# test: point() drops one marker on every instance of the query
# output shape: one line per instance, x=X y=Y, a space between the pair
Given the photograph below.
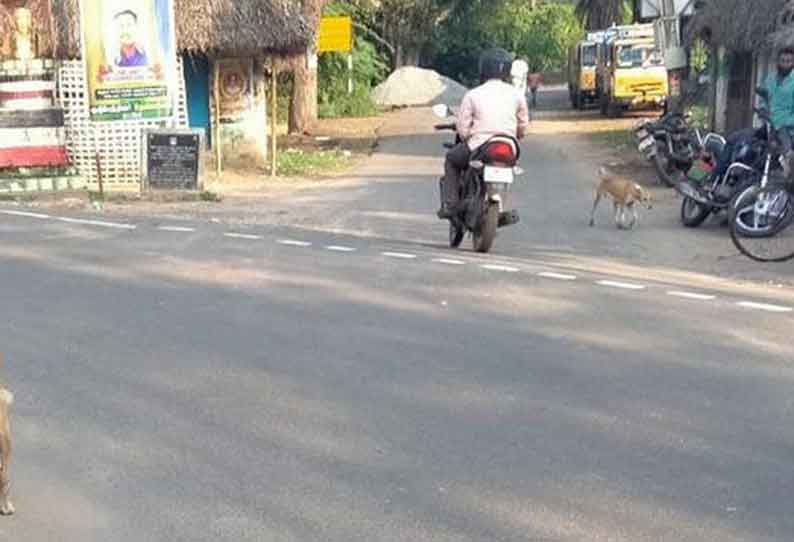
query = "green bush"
x=358 y=104
x=369 y=69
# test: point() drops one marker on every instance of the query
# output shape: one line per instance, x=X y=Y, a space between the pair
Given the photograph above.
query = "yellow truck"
x=631 y=73
x=582 y=61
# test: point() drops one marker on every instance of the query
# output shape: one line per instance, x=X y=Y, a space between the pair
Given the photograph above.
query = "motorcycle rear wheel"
x=483 y=239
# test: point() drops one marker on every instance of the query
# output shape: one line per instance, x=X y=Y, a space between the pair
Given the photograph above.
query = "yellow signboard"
x=336 y=35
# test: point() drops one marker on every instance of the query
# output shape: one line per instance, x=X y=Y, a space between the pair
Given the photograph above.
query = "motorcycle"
x=486 y=181
x=765 y=208
x=715 y=196
x=669 y=144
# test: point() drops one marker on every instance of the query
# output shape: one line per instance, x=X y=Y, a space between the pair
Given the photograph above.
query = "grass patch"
x=343 y=105
x=618 y=140
x=298 y=163
x=16 y=198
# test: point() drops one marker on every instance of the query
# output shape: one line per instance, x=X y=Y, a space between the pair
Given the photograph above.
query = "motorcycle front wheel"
x=483 y=239
x=760 y=222
x=693 y=214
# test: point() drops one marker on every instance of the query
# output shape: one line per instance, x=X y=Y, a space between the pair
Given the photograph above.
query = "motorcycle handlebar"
x=450 y=126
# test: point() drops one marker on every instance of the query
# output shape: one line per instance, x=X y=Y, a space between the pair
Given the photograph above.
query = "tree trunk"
x=303 y=108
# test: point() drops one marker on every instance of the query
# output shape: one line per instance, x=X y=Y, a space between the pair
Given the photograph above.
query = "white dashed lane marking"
x=558 y=276
x=399 y=255
x=692 y=295
x=242 y=236
x=176 y=229
x=99 y=223
x=293 y=243
x=764 y=307
x=621 y=285
x=407 y=256
x=503 y=268
x=25 y=214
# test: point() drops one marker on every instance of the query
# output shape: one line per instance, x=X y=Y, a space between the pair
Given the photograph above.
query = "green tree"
x=601 y=14
x=541 y=35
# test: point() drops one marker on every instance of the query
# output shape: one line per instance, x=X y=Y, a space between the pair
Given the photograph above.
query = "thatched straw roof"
x=739 y=25
x=784 y=29
x=230 y=27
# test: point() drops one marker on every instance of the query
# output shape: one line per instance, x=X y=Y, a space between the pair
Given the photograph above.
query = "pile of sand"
x=411 y=86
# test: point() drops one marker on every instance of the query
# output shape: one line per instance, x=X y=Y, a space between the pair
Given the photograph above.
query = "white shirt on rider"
x=491 y=109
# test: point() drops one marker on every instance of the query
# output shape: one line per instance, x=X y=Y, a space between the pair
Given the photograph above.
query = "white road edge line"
x=25 y=214
x=558 y=276
x=447 y=261
x=621 y=285
x=399 y=255
x=291 y=243
x=764 y=307
x=176 y=229
x=242 y=236
x=95 y=223
x=338 y=248
x=691 y=295
x=505 y=268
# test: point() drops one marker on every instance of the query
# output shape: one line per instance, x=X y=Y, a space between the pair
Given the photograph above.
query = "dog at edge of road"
x=6 y=398
x=625 y=195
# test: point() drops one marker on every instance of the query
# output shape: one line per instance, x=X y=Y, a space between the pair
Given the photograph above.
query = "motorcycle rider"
x=494 y=108
x=780 y=86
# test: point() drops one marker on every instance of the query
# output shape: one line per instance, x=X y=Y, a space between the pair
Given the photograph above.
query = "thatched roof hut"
x=784 y=29
x=739 y=25
x=235 y=27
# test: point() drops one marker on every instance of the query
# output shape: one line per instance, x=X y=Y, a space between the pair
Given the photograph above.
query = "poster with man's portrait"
x=235 y=80
x=130 y=58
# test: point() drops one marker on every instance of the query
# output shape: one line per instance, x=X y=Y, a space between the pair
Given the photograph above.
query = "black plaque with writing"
x=172 y=160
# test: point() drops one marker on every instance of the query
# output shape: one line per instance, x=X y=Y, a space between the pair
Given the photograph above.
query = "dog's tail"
x=6 y=396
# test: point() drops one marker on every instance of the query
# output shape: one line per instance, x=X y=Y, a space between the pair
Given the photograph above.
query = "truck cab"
x=582 y=63
x=631 y=72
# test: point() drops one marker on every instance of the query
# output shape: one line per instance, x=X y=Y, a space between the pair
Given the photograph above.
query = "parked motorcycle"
x=765 y=208
x=486 y=182
x=669 y=144
x=752 y=163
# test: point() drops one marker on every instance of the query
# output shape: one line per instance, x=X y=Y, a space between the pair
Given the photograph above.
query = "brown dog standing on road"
x=6 y=398
x=624 y=193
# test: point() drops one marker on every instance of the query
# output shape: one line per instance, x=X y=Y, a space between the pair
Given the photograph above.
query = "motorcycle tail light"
x=500 y=152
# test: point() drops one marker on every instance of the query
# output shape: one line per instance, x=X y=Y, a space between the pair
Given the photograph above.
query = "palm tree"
x=600 y=14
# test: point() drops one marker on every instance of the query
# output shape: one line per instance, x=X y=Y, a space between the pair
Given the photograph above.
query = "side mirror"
x=441 y=111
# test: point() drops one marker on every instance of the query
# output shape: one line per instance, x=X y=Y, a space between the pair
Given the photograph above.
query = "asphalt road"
x=349 y=378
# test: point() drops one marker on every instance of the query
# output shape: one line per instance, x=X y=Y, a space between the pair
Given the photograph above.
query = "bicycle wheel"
x=760 y=222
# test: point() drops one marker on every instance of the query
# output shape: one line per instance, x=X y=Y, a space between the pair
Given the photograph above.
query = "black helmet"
x=495 y=64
